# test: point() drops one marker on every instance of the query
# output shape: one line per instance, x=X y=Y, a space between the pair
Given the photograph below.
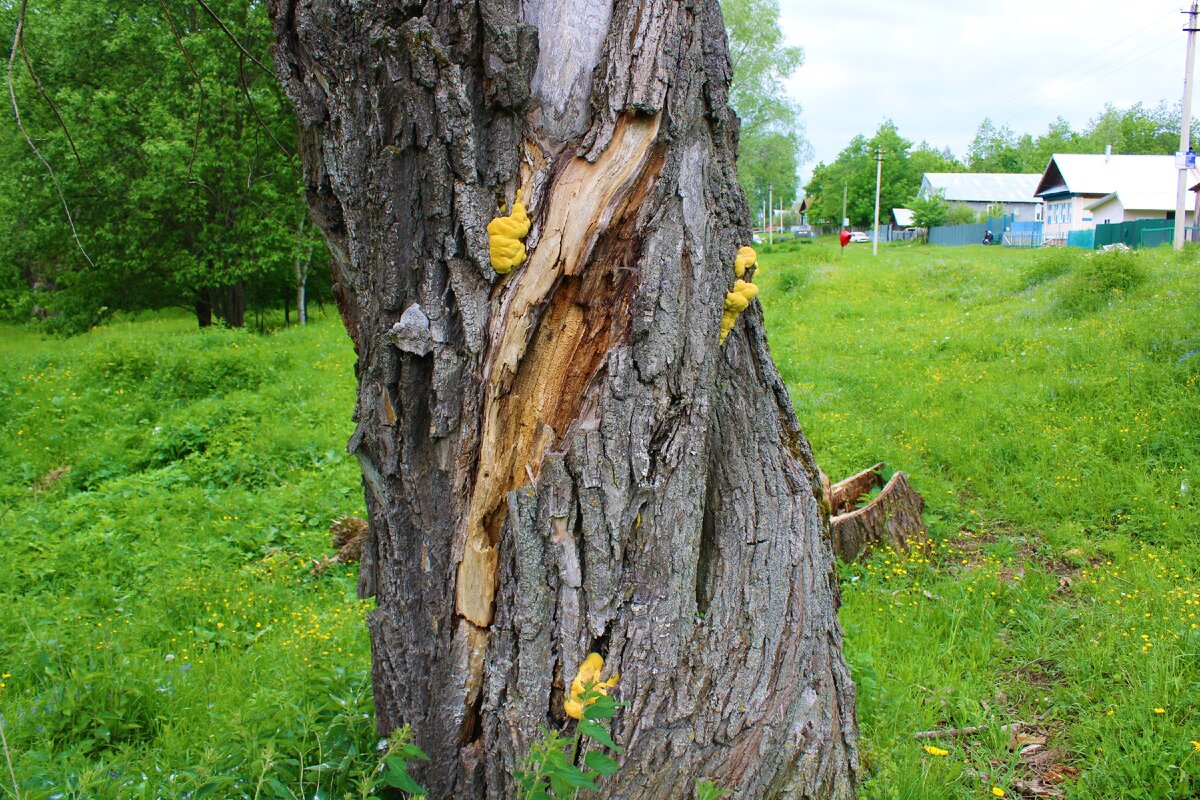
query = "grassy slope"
x=159 y=631
x=1056 y=454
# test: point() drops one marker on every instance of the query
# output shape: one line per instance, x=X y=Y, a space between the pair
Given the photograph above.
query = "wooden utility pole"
x=771 y=209
x=878 y=184
x=1185 y=129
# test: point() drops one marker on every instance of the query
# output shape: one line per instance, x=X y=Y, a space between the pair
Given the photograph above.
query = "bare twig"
x=947 y=733
x=12 y=774
x=254 y=108
x=221 y=24
x=12 y=93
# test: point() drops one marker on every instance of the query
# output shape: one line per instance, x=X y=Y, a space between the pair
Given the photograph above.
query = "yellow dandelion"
x=996 y=790
x=1196 y=746
x=1160 y=711
x=936 y=751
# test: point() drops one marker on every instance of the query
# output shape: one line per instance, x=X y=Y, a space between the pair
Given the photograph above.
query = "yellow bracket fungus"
x=743 y=292
x=506 y=249
x=745 y=259
x=586 y=683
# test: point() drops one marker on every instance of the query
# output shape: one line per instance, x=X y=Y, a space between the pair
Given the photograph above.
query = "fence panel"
x=1023 y=234
x=958 y=235
x=1082 y=239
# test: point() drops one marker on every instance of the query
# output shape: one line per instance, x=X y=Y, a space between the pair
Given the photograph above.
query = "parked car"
x=859 y=237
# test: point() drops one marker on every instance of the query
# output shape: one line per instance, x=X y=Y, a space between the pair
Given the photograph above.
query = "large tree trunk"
x=563 y=460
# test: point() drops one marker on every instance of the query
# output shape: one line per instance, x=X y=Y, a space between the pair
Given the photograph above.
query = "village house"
x=1084 y=190
x=981 y=191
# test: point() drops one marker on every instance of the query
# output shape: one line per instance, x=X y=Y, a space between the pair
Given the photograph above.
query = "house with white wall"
x=982 y=190
x=1082 y=190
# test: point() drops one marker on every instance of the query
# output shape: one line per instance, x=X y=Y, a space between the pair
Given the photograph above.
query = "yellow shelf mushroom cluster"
x=588 y=678
x=505 y=247
x=737 y=300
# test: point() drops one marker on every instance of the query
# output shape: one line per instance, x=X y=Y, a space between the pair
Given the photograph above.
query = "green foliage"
x=1051 y=263
x=399 y=753
x=961 y=215
x=707 y=790
x=1100 y=278
x=1058 y=460
x=855 y=168
x=184 y=186
x=1130 y=131
x=929 y=212
x=552 y=767
x=772 y=143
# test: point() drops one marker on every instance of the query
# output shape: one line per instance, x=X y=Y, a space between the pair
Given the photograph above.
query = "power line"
x=1020 y=99
x=1046 y=101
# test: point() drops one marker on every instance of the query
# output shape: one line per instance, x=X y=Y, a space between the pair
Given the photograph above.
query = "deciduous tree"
x=563 y=459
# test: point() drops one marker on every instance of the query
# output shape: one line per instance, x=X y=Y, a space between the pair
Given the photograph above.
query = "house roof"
x=1142 y=182
x=903 y=217
x=984 y=187
x=1138 y=201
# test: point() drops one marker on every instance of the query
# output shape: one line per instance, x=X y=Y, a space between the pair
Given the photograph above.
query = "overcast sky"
x=937 y=68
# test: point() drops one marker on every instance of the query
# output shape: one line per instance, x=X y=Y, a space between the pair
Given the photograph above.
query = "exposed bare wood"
x=845 y=494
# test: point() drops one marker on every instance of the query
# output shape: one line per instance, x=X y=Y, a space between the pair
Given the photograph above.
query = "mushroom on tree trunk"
x=565 y=459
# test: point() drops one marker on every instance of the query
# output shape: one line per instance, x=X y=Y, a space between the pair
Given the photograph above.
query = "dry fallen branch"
x=947 y=733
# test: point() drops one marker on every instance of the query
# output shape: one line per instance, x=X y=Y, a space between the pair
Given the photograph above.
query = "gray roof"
x=984 y=187
x=903 y=217
x=1143 y=182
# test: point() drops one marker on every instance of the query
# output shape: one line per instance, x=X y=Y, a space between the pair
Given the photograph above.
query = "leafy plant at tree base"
x=553 y=768
x=707 y=790
x=400 y=751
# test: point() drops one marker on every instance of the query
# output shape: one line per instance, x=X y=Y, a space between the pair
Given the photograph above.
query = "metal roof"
x=1142 y=182
x=903 y=217
x=984 y=187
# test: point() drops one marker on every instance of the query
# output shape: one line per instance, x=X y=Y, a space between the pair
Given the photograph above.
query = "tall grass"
x=1046 y=406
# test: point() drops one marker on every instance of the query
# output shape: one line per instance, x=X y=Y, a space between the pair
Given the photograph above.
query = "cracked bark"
x=563 y=460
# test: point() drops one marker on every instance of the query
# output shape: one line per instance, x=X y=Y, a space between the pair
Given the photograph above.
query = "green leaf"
x=598 y=734
x=396 y=774
x=598 y=762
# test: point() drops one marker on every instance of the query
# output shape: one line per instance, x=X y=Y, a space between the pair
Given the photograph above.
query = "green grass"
x=160 y=633
x=162 y=636
x=1057 y=444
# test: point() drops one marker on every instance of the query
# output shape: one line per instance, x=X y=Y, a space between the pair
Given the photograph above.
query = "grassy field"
x=163 y=492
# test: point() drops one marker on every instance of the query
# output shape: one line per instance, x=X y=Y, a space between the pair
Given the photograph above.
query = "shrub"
x=1099 y=279
x=1050 y=264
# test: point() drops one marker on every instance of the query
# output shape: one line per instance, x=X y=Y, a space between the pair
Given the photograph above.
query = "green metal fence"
x=1139 y=233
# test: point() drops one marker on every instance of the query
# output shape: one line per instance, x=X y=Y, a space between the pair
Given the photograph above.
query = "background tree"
x=178 y=172
x=772 y=142
x=854 y=167
x=563 y=459
x=929 y=211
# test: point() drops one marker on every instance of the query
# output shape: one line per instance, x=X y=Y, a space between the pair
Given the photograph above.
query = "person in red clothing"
x=845 y=238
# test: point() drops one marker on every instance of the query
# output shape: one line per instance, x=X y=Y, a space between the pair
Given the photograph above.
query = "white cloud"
x=937 y=69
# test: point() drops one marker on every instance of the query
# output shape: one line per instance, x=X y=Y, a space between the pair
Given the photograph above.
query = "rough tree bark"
x=563 y=460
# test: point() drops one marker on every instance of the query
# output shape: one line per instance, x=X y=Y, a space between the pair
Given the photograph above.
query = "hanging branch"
x=254 y=108
x=61 y=122
x=221 y=24
x=199 y=83
x=12 y=94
